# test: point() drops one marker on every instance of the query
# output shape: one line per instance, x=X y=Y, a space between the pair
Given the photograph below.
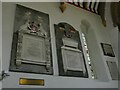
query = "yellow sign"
x=26 y=81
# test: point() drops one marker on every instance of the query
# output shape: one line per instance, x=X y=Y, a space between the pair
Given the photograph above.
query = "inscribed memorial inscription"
x=31 y=47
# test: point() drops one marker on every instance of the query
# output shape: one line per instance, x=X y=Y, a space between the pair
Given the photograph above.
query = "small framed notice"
x=113 y=69
x=107 y=50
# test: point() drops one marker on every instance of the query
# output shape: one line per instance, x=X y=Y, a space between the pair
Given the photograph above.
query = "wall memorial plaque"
x=107 y=50
x=113 y=69
x=70 y=55
x=31 y=47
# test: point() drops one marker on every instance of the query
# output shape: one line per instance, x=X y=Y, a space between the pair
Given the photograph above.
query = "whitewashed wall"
x=113 y=34
x=0 y=41
x=73 y=16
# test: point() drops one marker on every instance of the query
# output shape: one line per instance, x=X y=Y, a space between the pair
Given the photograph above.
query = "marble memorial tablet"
x=70 y=55
x=33 y=49
x=72 y=59
x=113 y=70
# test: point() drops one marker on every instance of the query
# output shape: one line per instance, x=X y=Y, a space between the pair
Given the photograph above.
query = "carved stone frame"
x=35 y=24
x=19 y=59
